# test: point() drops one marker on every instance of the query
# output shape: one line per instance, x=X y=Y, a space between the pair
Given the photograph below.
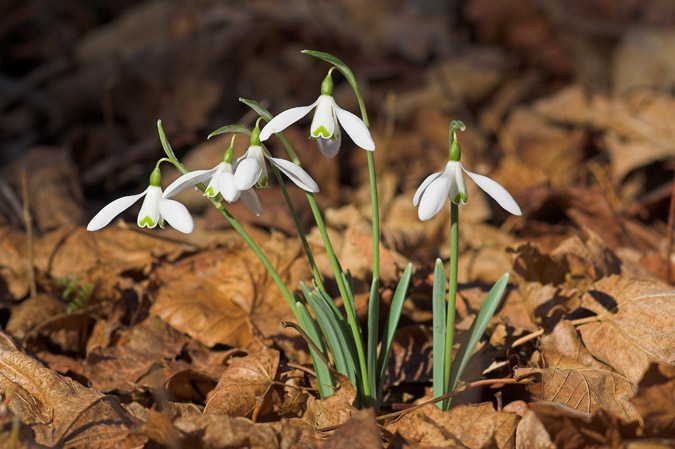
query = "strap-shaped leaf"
x=323 y=376
x=392 y=323
x=341 y=66
x=239 y=129
x=439 y=309
x=487 y=310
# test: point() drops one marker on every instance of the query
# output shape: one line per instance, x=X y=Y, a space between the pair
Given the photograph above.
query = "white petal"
x=251 y=201
x=496 y=191
x=329 y=147
x=105 y=215
x=149 y=214
x=423 y=186
x=188 y=180
x=299 y=176
x=284 y=120
x=176 y=215
x=324 y=123
x=213 y=189
x=458 y=188
x=355 y=128
x=227 y=189
x=247 y=174
x=435 y=195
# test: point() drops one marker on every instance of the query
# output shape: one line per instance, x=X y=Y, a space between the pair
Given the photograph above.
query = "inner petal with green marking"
x=147 y=221
x=321 y=131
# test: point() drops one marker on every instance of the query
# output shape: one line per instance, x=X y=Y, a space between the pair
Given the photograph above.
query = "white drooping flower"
x=325 y=126
x=154 y=210
x=449 y=183
x=250 y=169
x=220 y=181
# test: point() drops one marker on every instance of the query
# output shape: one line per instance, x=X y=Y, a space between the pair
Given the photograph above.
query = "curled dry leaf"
x=585 y=389
x=61 y=411
x=472 y=426
x=635 y=326
x=246 y=386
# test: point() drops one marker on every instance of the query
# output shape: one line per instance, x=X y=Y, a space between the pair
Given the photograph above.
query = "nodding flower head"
x=326 y=123
x=154 y=210
x=449 y=183
x=251 y=171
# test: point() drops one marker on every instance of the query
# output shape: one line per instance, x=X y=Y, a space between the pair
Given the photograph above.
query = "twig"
x=311 y=344
x=535 y=334
x=29 y=235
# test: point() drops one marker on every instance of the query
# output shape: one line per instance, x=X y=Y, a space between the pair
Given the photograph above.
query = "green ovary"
x=147 y=221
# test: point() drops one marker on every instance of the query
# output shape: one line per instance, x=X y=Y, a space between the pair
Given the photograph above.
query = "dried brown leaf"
x=143 y=357
x=33 y=312
x=655 y=401
x=60 y=410
x=635 y=326
x=333 y=410
x=246 y=386
x=531 y=433
x=227 y=432
x=471 y=426
x=360 y=432
x=574 y=429
x=585 y=389
x=226 y=295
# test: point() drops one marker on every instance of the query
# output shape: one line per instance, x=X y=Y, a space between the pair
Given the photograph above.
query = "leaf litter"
x=166 y=340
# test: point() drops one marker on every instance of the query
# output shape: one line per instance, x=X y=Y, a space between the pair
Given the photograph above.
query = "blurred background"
x=569 y=104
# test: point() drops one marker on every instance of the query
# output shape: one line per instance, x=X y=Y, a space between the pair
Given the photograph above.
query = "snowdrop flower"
x=251 y=171
x=326 y=123
x=449 y=183
x=154 y=211
x=220 y=181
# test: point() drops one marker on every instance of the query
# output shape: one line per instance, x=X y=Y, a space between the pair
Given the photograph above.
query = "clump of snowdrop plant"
x=430 y=198
x=336 y=340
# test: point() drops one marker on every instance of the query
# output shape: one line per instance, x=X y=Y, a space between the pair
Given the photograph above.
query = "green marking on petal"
x=460 y=198
x=263 y=182
x=209 y=192
x=147 y=221
x=321 y=131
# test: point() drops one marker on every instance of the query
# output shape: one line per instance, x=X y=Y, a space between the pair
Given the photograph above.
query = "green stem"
x=235 y=224
x=298 y=226
x=452 y=295
x=337 y=271
x=258 y=252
